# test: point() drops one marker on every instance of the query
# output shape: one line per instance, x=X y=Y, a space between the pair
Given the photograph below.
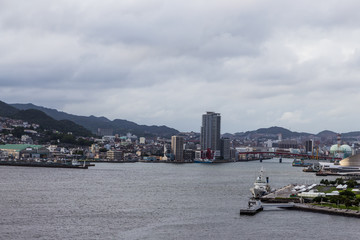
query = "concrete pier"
x=279 y=195
x=254 y=206
x=282 y=195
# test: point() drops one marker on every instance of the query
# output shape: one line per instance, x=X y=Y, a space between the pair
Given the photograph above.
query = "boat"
x=309 y=169
x=322 y=173
x=306 y=162
x=203 y=160
x=312 y=168
x=254 y=206
x=298 y=163
x=261 y=186
x=75 y=163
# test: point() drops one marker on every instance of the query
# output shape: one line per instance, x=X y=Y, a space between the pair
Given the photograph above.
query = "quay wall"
x=326 y=210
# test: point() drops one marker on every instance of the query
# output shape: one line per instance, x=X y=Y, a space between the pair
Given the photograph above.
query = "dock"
x=254 y=206
x=280 y=195
x=259 y=206
x=250 y=211
x=281 y=198
x=278 y=205
x=42 y=164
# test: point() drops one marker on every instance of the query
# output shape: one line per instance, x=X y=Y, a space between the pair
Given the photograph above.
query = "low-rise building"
x=115 y=155
x=18 y=151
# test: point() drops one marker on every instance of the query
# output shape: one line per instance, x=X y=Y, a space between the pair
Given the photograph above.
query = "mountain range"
x=62 y=121
x=287 y=134
x=93 y=123
x=45 y=121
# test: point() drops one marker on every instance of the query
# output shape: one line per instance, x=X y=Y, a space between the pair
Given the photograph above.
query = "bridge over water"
x=261 y=155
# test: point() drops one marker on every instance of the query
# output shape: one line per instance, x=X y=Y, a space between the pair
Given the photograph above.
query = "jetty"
x=283 y=198
x=254 y=206
x=43 y=164
x=259 y=206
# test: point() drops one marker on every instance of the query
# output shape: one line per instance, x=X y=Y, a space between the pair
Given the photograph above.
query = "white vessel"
x=261 y=185
x=205 y=160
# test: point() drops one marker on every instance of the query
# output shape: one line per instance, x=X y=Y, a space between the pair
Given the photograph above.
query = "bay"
x=156 y=201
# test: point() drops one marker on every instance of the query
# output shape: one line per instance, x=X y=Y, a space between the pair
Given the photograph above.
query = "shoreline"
x=325 y=210
x=42 y=164
x=282 y=196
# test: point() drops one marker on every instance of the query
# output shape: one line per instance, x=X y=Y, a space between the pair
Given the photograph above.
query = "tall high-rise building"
x=309 y=146
x=225 y=148
x=210 y=131
x=177 y=147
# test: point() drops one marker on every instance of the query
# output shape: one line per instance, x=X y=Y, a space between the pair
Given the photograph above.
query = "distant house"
x=114 y=155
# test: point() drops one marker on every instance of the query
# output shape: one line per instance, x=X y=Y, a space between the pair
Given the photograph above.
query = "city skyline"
x=54 y=113
x=258 y=63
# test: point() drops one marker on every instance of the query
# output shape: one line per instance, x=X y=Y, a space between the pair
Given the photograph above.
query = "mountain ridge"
x=93 y=123
x=286 y=133
x=122 y=126
x=45 y=121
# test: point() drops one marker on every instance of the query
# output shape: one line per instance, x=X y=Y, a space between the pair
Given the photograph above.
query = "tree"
x=336 y=199
x=102 y=150
x=320 y=199
x=326 y=182
x=348 y=194
x=68 y=138
x=84 y=142
x=18 y=132
x=78 y=152
x=339 y=181
x=351 y=183
x=348 y=203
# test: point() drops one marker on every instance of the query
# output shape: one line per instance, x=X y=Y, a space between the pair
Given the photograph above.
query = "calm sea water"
x=155 y=201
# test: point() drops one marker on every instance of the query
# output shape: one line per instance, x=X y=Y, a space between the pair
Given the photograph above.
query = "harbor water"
x=156 y=201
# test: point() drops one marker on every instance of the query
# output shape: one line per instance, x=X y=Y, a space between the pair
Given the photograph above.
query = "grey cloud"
x=270 y=57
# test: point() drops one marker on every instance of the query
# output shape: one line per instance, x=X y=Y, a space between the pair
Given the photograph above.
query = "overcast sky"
x=294 y=64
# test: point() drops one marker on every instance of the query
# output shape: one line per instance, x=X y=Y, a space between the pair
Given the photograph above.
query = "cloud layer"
x=258 y=63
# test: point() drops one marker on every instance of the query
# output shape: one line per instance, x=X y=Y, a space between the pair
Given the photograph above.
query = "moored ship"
x=261 y=185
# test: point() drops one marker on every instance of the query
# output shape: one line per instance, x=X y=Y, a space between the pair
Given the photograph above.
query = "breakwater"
x=42 y=164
